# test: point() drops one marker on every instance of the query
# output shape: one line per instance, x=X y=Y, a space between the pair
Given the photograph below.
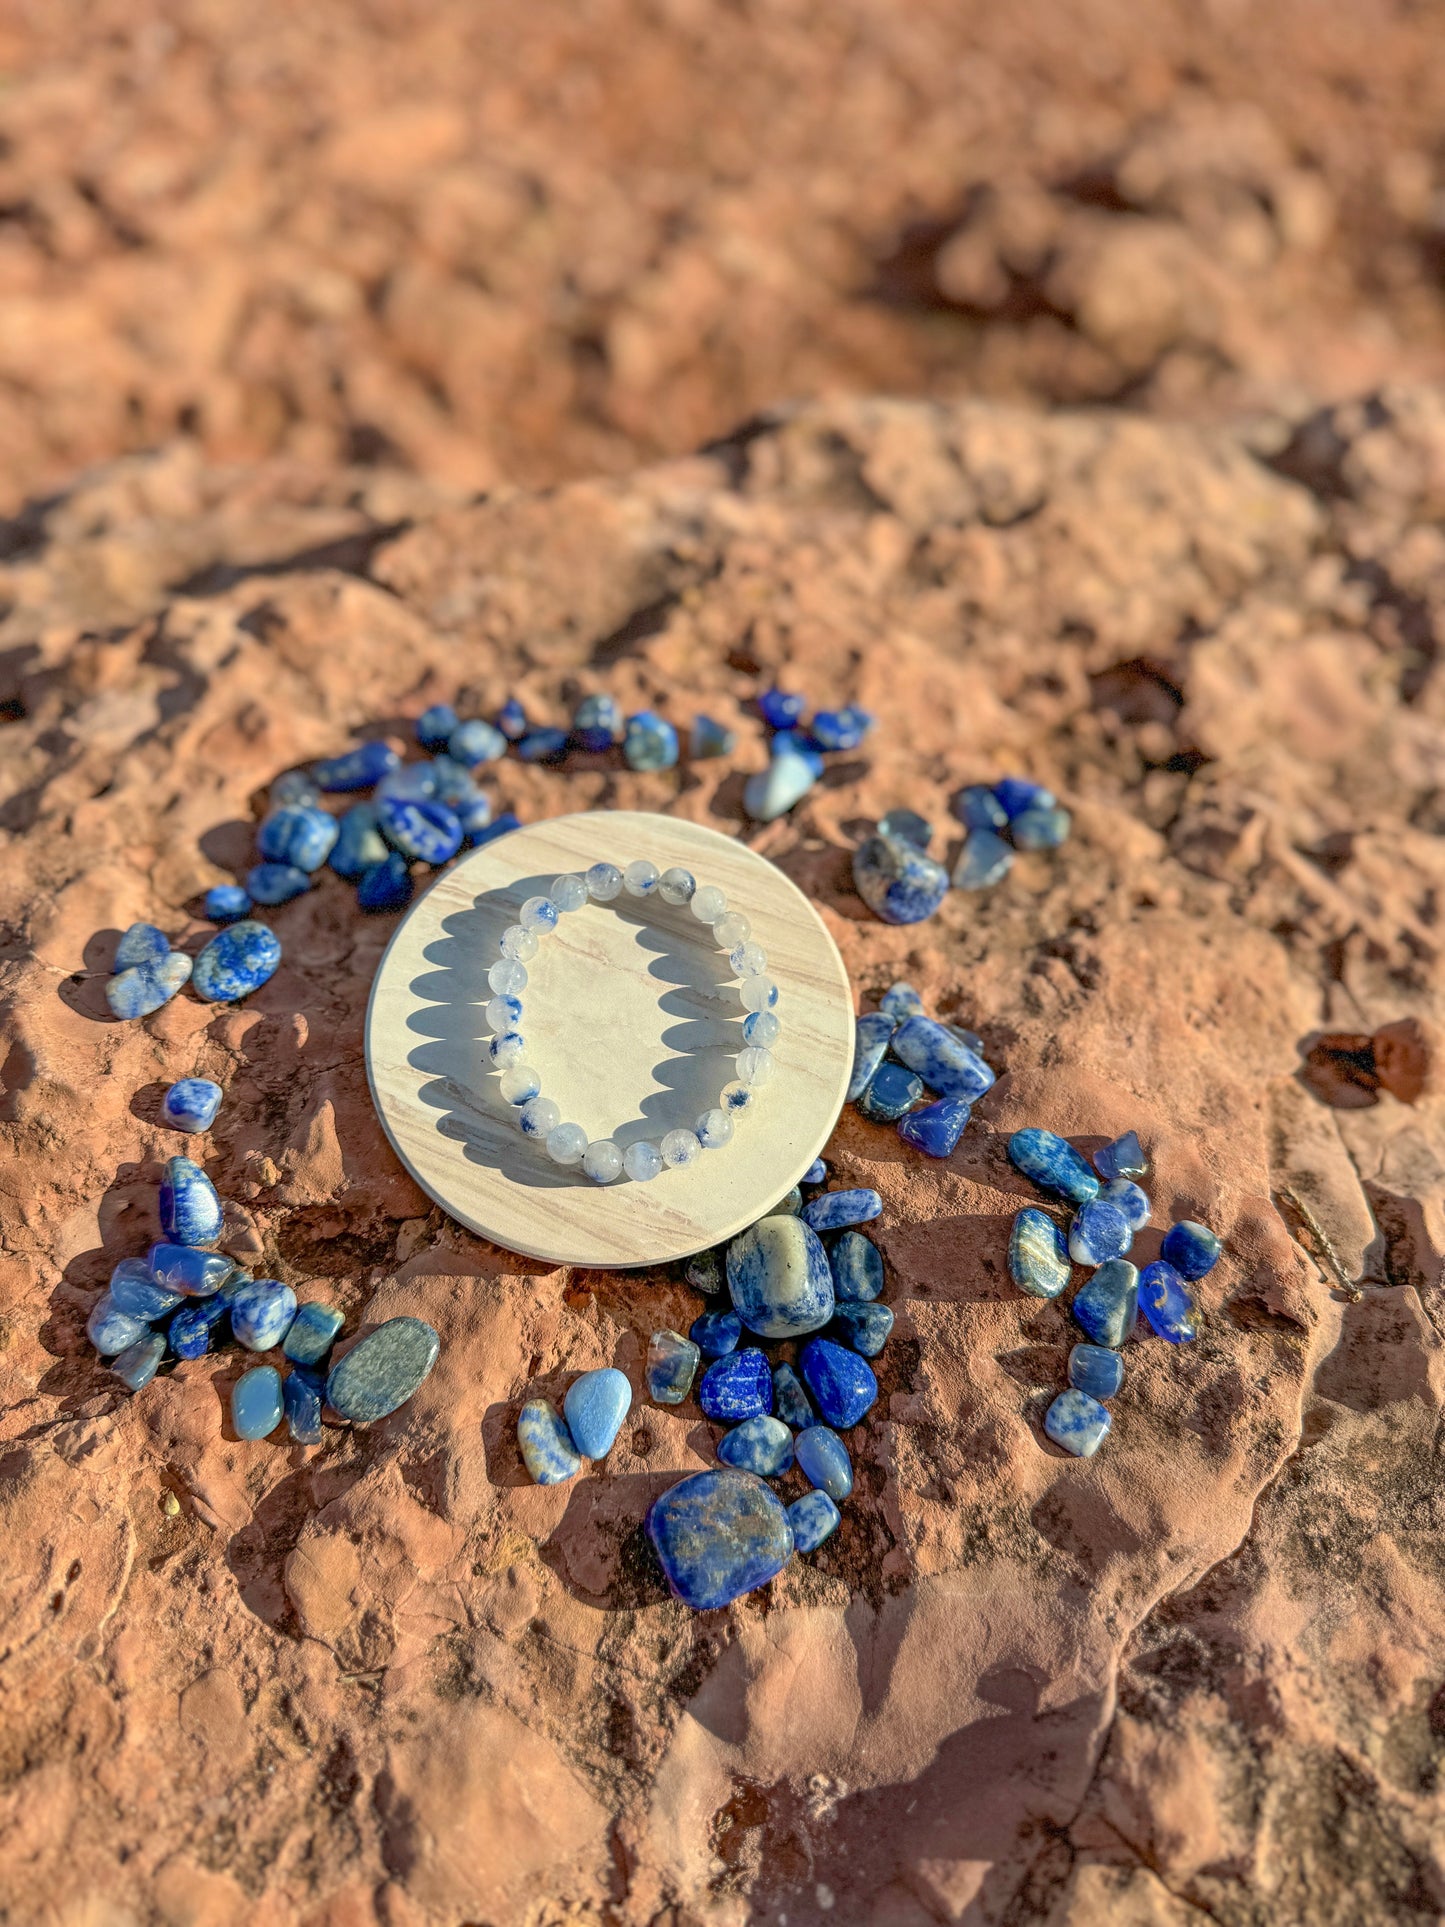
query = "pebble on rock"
x=779 y=1278
x=1107 y=1305
x=813 y=1518
x=899 y=883
x=1124 y=1158
x=256 y=1402
x=594 y=1408
x=1040 y=828
x=944 y=1064
x=543 y=745
x=312 y=1333
x=237 y=961
x=597 y=724
x=302 y=1398
x=261 y=1313
x=781 y=709
x=1100 y=1231
x=790 y=1401
x=816 y=1173
x=1192 y=1249
x=546 y=1445
x=842 y=1385
x=889 y=1094
x=710 y=738
x=824 y=1462
x=191 y=1104
x=718 y=1535
x=273 y=884
x=382 y=1370
x=977 y=808
x=737 y=1387
x=716 y=1333
x=137 y=1364
x=672 y=1362
x=835 y=1210
x=1053 y=1164
x=869 y=1049
x=1078 y=1423
x=857 y=1269
x=1095 y=1370
x=936 y=1128
x=763 y=1445
x=1038 y=1257
x=1165 y=1301
x=866 y=1328
x=1015 y=794
x=190 y=1210
x=835 y=729
x=143 y=988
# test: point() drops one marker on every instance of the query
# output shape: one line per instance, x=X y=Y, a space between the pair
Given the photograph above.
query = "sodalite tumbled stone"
x=386 y=885
x=984 y=860
x=824 y=1462
x=191 y=1104
x=813 y=1518
x=763 y=1445
x=272 y=884
x=1078 y=1423
x=435 y=725
x=779 y=1278
x=261 y=1313
x=1038 y=1258
x=834 y=1210
x=256 y=1402
x=649 y=742
x=866 y=1328
x=944 y=1064
x=718 y=1535
x=874 y=1031
x=1165 y=1301
x=816 y=1173
x=1191 y=1248
x=478 y=741
x=312 y=1333
x=900 y=1002
x=137 y=1364
x=890 y=1092
x=225 y=902
x=936 y=1128
x=899 y=883
x=1129 y=1198
x=187 y=1269
x=1095 y=1370
x=546 y=1445
x=1124 y=1158
x=716 y=1333
x=382 y=1370
x=421 y=828
x=770 y=793
x=359 y=843
x=672 y=1362
x=297 y=835
x=1107 y=1305
x=358 y=769
x=502 y=825
x=190 y=1210
x=594 y=1408
x=302 y=1397
x=790 y=1401
x=1100 y=1231
x=143 y=988
x=110 y=1329
x=141 y=944
x=737 y=1387
x=842 y=1385
x=190 y=1331
x=1053 y=1164
x=237 y=961
x=136 y=1292
x=857 y=1269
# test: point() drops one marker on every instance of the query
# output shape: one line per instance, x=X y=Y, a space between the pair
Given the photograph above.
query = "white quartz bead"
x=732 y=930
x=748 y=960
x=569 y=892
x=762 y=1027
x=539 y=1117
x=754 y=1065
x=736 y=1097
x=640 y=878
x=507 y=1048
x=602 y=1161
x=676 y=886
x=604 y=882
x=539 y=914
x=758 y=993
x=507 y=977
x=642 y=1161
x=519 y=943
x=680 y=1147
x=709 y=903
x=521 y=1084
x=714 y=1128
x=566 y=1143
x=504 y=1013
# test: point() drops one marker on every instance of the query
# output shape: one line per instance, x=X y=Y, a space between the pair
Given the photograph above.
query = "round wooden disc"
x=632 y=1021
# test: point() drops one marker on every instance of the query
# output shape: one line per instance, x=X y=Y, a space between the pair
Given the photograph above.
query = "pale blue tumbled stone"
x=984 y=860
x=137 y=1293
x=382 y=1370
x=717 y=1535
x=857 y=1269
x=1107 y=1305
x=1053 y=1164
x=908 y=824
x=546 y=1445
x=824 y=1462
x=595 y=1406
x=737 y=1387
x=298 y=835
x=936 y=1128
x=137 y=1364
x=779 y=1278
x=191 y=1104
x=302 y=1398
x=716 y=1333
x=386 y=885
x=790 y=1401
x=359 y=843
x=225 y=902
x=1038 y=1257
x=477 y=742
x=422 y=828
x=256 y=1402
x=1040 y=829
x=944 y=1064
x=763 y=1445
x=189 y=1270
x=1192 y=1249
x=142 y=988
x=892 y=1091
x=864 y=1328
x=142 y=943
x=261 y=1313
x=770 y=793
x=273 y=884
x=1095 y=1370
x=899 y=883
x=237 y=961
x=110 y=1329
x=190 y=1210
x=869 y=1049
x=813 y=1518
x=1100 y=1231
x=672 y=1362
x=312 y=1333
x=1124 y=1158
x=1078 y=1423
x=835 y=1210
x=649 y=742
x=1126 y=1196
x=842 y=1384
x=1165 y=1301
x=359 y=769
x=977 y=808
x=435 y=725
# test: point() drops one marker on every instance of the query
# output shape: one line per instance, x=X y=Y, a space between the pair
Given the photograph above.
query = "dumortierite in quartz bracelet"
x=602 y=1159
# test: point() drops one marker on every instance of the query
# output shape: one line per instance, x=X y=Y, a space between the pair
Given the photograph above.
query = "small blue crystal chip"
x=977 y=808
x=435 y=725
x=594 y=1408
x=944 y=1064
x=835 y=1210
x=1095 y=1370
x=191 y=1104
x=512 y=719
x=597 y=724
x=256 y=1402
x=813 y=1518
x=824 y=1462
x=1107 y=1304
x=816 y=1173
x=1100 y=1231
x=763 y=1445
x=546 y=1445
x=779 y=1278
x=1040 y=828
x=1038 y=1258
x=790 y=1401
x=737 y=1387
x=672 y=1362
x=889 y=1094
x=716 y=1333
x=1015 y=794
x=1165 y=1301
x=1078 y=1423
x=382 y=1370
x=717 y=1535
x=936 y=1128
x=358 y=769
x=900 y=884
x=866 y=1328
x=312 y=1333
x=190 y=1210
x=873 y=1033
x=842 y=728
x=237 y=961
x=709 y=738
x=1191 y=1248
x=857 y=1269
x=261 y=1313
x=780 y=709
x=650 y=742
x=842 y=1384
x=1053 y=1164
x=543 y=745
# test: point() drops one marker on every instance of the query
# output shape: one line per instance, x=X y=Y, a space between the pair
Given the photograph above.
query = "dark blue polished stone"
x=478 y=742
x=256 y=1402
x=312 y=1333
x=136 y=1365
x=1107 y=1305
x=835 y=1210
x=977 y=808
x=386 y=885
x=763 y=1445
x=1191 y=1248
x=190 y=1210
x=1040 y=829
x=112 y=1330
x=869 y=1049
x=944 y=1064
x=435 y=725
x=824 y=1462
x=237 y=961
x=382 y=1370
x=297 y=834
x=857 y=1269
x=423 y=829
x=1124 y=1158
x=191 y=1329
x=295 y=786
x=898 y=883
x=1016 y=794
x=984 y=860
x=936 y=1128
x=358 y=769
x=790 y=1401
x=1165 y=1301
x=188 y=1270
x=718 y=1535
x=779 y=1278
x=866 y=1328
x=474 y=813
x=302 y=1397
x=737 y=1387
x=1078 y=1423
x=225 y=902
x=191 y=1104
x=1053 y=1164
x=138 y=1294
x=813 y=1518
x=1095 y=1370
x=594 y=1408
x=543 y=745
x=716 y=1333
x=890 y=1092
x=359 y=843
x=1100 y=1231
x=842 y=1385
x=780 y=709
x=650 y=742
x=142 y=943
x=1038 y=1257
x=275 y=883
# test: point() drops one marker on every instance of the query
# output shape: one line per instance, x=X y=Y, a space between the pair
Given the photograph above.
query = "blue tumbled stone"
x=143 y=943
x=137 y=1293
x=1126 y=1196
x=454 y=782
x=1038 y=1258
x=869 y=1050
x=717 y=1535
x=1078 y=1423
x=737 y=1387
x=359 y=843
x=191 y=1104
x=649 y=742
x=890 y=1092
x=359 y=769
x=546 y=1445
x=256 y=1402
x=225 y=902
x=866 y=1329
x=474 y=813
x=1165 y=1301
x=597 y=724
x=816 y=1172
x=797 y=742
x=716 y=1333
x=112 y=1330
x=300 y=836
x=813 y=1518
x=411 y=783
x=276 y=883
x=302 y=1399
x=1191 y=1248
x=770 y=793
x=421 y=828
x=672 y=1362
x=502 y=825
x=137 y=1364
x=1095 y=1370
x=435 y=725
x=835 y=1210
x=977 y=808
x=312 y=1333
x=763 y=1445
x=857 y=1269
x=543 y=745
x=900 y=1002
x=790 y=1401
x=477 y=742
x=908 y=824
x=594 y=1408
x=189 y=1332
x=841 y=728
x=1107 y=1304
x=944 y=1064
x=984 y=860
x=779 y=709
x=824 y=1462
x=261 y=1313
x=382 y=1370
x=842 y=1385
x=187 y=1269
x=1124 y=1158
x=936 y=1128
x=779 y=1278
x=190 y=1210
x=789 y=1205
x=142 y=988
x=512 y=719
x=1016 y=794
x=386 y=885
x=295 y=786
x=709 y=738
x=237 y=961
x=898 y=883
x=1040 y=829
x=1053 y=1164
x=1100 y=1231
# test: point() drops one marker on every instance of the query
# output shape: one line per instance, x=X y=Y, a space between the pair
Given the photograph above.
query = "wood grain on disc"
x=632 y=1021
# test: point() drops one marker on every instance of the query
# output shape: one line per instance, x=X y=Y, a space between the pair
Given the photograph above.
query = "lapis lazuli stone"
x=900 y=1002
x=944 y=1064
x=261 y=1313
x=1124 y=1158
x=191 y=1104
x=780 y=709
x=297 y=835
x=790 y=1401
x=435 y=725
x=137 y=1364
x=717 y=1535
x=857 y=1269
x=142 y=988
x=358 y=769
x=142 y=943
x=889 y=1093
x=841 y=728
x=1100 y=1231
x=455 y=784
x=276 y=883
x=382 y=1370
x=763 y=1445
x=543 y=745
x=597 y=724
x=1191 y=1248
x=842 y=1385
x=189 y=1270
x=977 y=808
x=501 y=825
x=359 y=843
x=1095 y=1370
x=1038 y=1257
x=737 y=1387
x=770 y=793
x=423 y=829
x=779 y=1278
x=1078 y=1423
x=865 y=1328
x=716 y=1333
x=824 y=1462
x=898 y=883
x=936 y=1128
x=816 y=1173
x=1126 y=1196
x=546 y=1445
x=594 y=1408
x=672 y=1362
x=1040 y=829
x=1053 y=1164
x=984 y=860
x=477 y=742
x=386 y=885
x=256 y=1402
x=512 y=719
x=189 y=1207
x=836 y=1210
x=912 y=827
x=1016 y=794
x=1165 y=1301
x=869 y=1049
x=650 y=742
x=302 y=1398
x=813 y=1518
x=311 y=1333
x=1107 y=1304
x=110 y=1329
x=189 y=1332
x=710 y=738
x=138 y=1294
x=225 y=902
x=237 y=961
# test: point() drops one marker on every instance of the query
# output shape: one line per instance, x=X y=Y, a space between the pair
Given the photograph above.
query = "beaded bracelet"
x=539 y=1117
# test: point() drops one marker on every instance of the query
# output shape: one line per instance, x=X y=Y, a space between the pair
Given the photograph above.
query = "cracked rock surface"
x=387 y=1679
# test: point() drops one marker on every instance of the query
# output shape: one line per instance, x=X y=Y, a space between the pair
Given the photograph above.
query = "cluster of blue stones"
x=796 y=750
x=148 y=972
x=1110 y=1206
x=902 y=1057
x=901 y=883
